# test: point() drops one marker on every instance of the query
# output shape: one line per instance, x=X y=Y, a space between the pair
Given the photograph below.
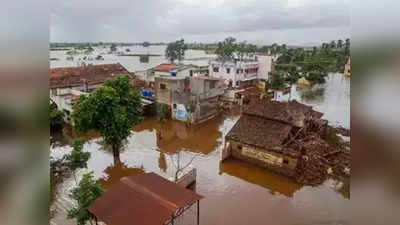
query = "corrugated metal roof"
x=147 y=199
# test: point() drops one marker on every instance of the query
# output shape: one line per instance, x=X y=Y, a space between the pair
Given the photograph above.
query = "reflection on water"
x=162 y=162
x=113 y=173
x=174 y=136
x=236 y=193
x=331 y=98
x=260 y=176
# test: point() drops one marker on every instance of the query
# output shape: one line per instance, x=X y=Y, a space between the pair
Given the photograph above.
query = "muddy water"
x=235 y=192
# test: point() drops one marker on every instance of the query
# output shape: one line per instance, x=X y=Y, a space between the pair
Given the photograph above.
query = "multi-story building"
x=193 y=99
x=237 y=74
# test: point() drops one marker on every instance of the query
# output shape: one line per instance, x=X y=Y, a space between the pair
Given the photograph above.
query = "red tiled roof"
x=165 y=67
x=75 y=76
x=146 y=199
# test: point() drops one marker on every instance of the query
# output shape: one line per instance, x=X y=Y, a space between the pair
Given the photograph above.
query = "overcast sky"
x=295 y=22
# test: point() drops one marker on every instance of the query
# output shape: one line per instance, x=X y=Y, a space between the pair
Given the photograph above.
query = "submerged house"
x=192 y=99
x=67 y=83
x=260 y=135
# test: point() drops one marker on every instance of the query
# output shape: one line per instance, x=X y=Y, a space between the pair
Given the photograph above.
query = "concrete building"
x=193 y=99
x=260 y=135
x=237 y=74
x=67 y=83
x=265 y=63
x=168 y=70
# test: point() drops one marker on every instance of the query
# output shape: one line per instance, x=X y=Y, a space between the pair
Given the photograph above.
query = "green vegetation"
x=226 y=49
x=111 y=110
x=77 y=158
x=85 y=194
x=56 y=117
x=176 y=50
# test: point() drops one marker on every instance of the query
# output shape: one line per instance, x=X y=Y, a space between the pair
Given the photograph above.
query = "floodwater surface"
x=236 y=193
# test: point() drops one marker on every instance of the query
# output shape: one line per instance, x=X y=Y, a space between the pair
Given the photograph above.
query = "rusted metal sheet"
x=145 y=199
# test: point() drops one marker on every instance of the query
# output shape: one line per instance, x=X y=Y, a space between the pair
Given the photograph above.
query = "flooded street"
x=236 y=193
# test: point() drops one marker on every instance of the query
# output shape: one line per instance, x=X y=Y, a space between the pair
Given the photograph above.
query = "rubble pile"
x=319 y=158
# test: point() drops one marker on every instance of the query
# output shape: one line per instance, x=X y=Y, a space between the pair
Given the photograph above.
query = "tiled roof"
x=260 y=132
x=165 y=67
x=76 y=76
x=292 y=113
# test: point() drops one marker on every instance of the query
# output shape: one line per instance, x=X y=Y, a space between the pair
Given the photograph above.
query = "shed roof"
x=261 y=132
x=146 y=199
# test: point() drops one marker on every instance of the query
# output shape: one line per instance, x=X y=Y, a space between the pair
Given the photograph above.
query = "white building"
x=265 y=65
x=236 y=74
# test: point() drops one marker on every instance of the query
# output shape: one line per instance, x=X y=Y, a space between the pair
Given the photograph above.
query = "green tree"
x=77 y=158
x=111 y=110
x=340 y=44
x=56 y=117
x=315 y=72
x=226 y=49
x=113 y=47
x=176 y=50
x=278 y=81
x=347 y=47
x=85 y=194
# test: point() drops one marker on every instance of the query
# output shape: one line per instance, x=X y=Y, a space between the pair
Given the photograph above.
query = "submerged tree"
x=111 y=110
x=77 y=158
x=85 y=194
x=176 y=50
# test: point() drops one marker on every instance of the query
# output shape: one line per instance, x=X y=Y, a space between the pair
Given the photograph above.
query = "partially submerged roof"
x=292 y=113
x=261 y=132
x=146 y=199
x=76 y=76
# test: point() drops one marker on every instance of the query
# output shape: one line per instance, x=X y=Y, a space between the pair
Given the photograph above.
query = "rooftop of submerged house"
x=268 y=124
x=93 y=74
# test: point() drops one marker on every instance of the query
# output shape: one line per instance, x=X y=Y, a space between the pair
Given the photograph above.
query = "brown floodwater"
x=236 y=193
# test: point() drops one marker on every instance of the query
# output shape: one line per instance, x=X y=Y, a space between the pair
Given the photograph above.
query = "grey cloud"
x=166 y=20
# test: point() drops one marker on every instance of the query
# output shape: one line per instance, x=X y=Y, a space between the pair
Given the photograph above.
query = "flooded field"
x=236 y=193
x=131 y=63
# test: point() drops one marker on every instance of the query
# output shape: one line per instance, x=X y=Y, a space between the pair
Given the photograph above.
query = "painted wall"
x=276 y=162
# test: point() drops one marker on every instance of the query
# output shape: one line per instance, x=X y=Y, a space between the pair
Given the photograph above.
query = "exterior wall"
x=235 y=76
x=265 y=64
x=276 y=162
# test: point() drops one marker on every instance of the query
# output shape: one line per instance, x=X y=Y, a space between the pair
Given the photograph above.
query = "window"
x=228 y=70
x=54 y=91
x=163 y=86
x=212 y=85
x=191 y=73
x=237 y=83
x=286 y=161
x=174 y=105
x=238 y=71
x=216 y=69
